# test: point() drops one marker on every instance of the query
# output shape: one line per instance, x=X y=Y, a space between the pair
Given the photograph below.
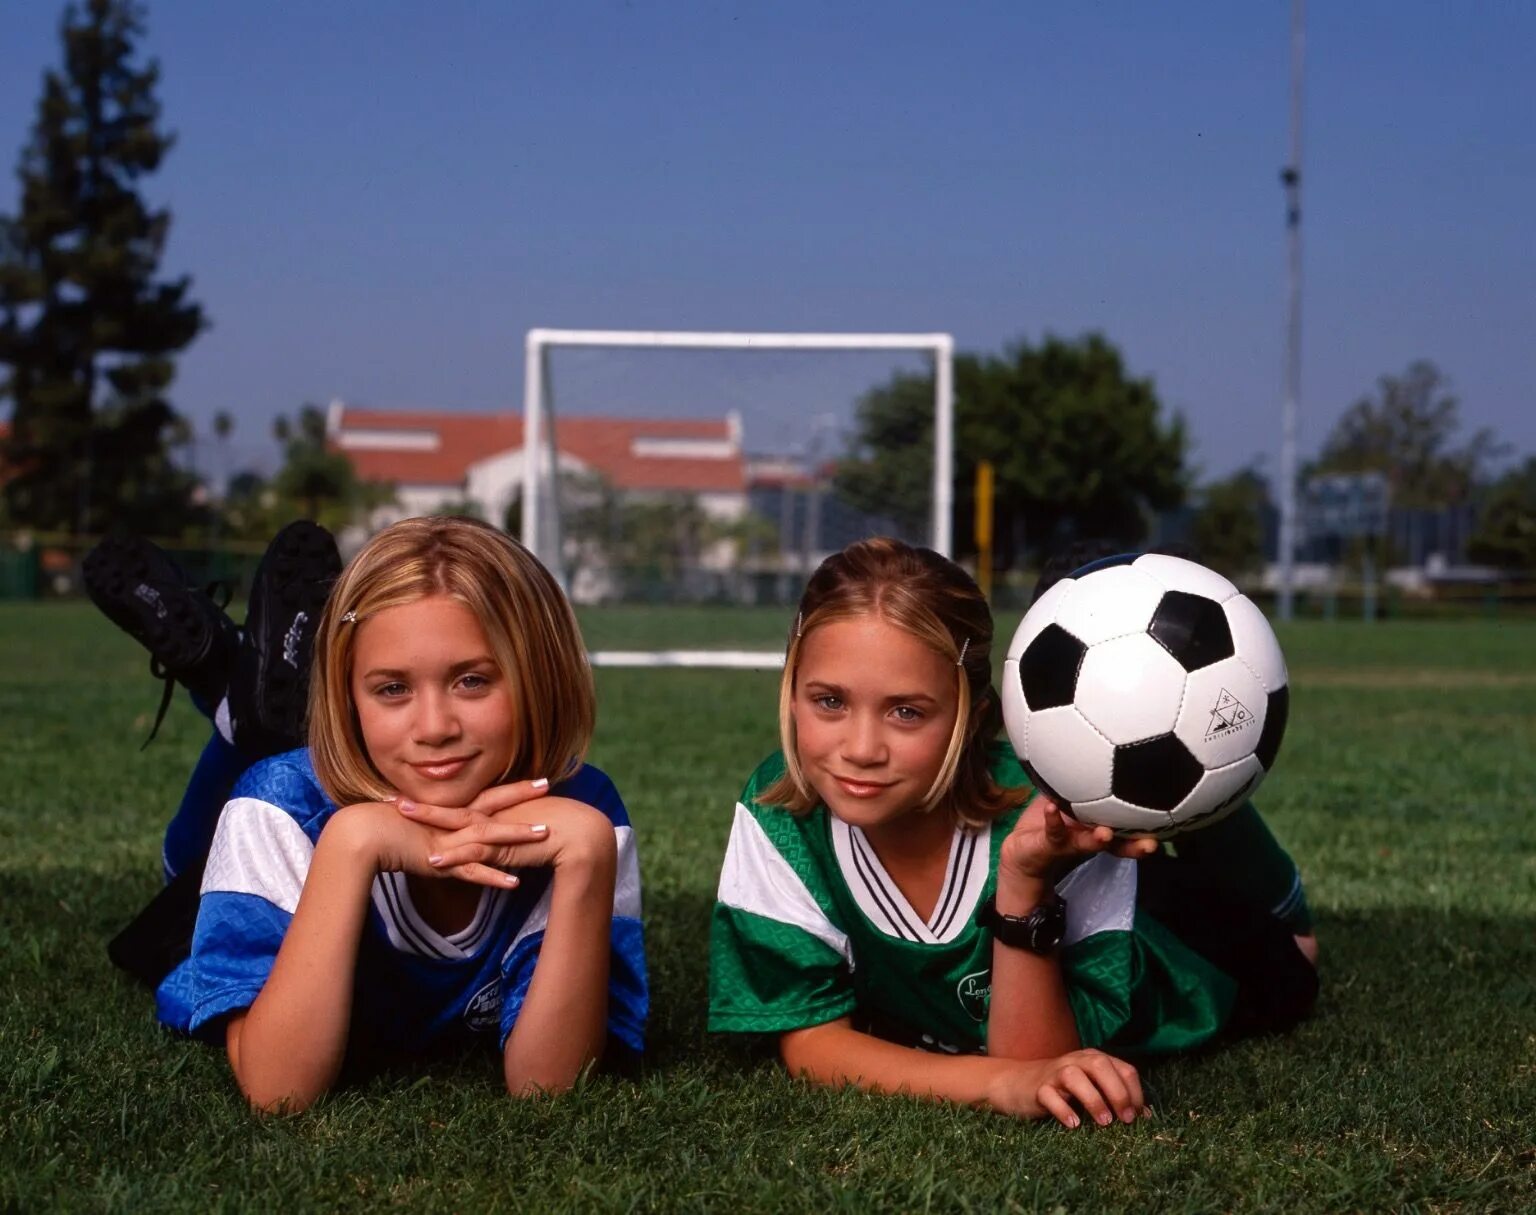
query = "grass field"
x=1404 y=789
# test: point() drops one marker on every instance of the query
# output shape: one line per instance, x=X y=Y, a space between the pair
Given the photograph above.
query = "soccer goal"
x=560 y=455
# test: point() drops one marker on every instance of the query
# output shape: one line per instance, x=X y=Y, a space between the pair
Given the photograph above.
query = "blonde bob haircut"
x=532 y=631
x=937 y=602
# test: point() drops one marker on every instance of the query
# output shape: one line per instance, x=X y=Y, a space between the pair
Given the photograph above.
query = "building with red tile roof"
x=437 y=458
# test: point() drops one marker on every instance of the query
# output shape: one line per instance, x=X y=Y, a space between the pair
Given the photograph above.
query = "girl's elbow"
x=797 y=1051
x=274 y=1095
x=523 y=1088
x=275 y=1101
x=545 y=1078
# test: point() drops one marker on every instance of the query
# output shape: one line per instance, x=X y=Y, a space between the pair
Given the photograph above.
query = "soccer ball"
x=1146 y=694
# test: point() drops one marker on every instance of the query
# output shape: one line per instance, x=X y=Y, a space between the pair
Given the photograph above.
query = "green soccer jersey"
x=808 y=927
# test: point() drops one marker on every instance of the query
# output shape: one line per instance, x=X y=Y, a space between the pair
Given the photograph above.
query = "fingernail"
x=511 y=879
x=541 y=783
x=540 y=827
x=1127 y=1115
x=1105 y=1118
x=406 y=807
x=1073 y=1120
x=434 y=860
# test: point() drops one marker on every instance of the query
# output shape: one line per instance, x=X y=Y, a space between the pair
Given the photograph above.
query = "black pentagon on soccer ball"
x=1048 y=668
x=1274 y=727
x=1193 y=629
x=1157 y=773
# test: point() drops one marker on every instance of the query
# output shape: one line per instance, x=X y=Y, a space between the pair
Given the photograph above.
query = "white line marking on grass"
x=741 y=660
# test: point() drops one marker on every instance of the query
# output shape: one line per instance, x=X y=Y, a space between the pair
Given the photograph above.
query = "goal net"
x=678 y=467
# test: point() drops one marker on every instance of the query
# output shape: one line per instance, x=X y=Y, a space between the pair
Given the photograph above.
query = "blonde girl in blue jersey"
x=903 y=916
x=438 y=861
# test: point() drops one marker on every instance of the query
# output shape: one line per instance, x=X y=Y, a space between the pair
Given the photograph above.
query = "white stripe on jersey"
x=626 y=891
x=887 y=909
x=626 y=888
x=755 y=878
x=258 y=849
x=963 y=883
x=536 y=921
x=409 y=932
x=1100 y=895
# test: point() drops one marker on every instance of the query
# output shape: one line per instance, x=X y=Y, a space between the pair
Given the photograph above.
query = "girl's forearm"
x=1029 y=1015
x=838 y=1054
x=287 y=1048
x=562 y=1025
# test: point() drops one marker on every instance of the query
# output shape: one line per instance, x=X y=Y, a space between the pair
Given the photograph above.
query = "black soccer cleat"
x=269 y=691
x=145 y=593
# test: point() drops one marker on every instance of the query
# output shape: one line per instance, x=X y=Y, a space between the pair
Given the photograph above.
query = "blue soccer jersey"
x=413 y=985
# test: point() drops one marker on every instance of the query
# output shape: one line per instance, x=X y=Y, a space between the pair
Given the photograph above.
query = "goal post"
x=541 y=524
x=538 y=464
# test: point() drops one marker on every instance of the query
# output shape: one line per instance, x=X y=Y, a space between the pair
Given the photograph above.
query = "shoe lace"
x=221 y=591
x=169 y=690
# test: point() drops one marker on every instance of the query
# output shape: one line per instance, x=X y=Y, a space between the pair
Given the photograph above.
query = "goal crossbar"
x=940 y=345
x=536 y=409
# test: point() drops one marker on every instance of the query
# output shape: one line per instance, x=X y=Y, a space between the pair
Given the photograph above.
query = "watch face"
x=1039 y=932
x=1049 y=924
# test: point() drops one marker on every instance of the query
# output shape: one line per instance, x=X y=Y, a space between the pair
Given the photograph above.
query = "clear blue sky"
x=376 y=200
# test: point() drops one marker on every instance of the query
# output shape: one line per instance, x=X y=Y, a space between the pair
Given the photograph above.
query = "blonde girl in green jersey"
x=900 y=912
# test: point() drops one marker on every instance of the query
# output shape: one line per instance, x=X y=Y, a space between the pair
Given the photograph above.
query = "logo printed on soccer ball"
x=1145 y=693
x=1227 y=714
x=973 y=991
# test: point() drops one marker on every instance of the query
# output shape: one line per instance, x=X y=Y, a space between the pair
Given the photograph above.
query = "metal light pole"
x=1290 y=177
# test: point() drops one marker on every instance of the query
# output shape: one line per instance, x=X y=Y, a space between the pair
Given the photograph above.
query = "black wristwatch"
x=1039 y=932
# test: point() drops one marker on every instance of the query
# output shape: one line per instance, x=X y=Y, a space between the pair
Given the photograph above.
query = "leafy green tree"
x=1228 y=529
x=658 y=535
x=1506 y=532
x=1078 y=447
x=317 y=481
x=889 y=467
x=651 y=538
x=1407 y=432
x=87 y=330
x=465 y=508
x=249 y=510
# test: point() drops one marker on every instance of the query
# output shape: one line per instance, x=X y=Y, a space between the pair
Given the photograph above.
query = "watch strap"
x=1040 y=931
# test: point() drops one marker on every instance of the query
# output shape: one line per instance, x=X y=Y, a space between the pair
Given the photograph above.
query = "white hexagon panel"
x=1124 y=818
x=1071 y=758
x=1222 y=717
x=1176 y=574
x=1255 y=642
x=1041 y=613
x=1219 y=792
x=1122 y=601
x=1130 y=688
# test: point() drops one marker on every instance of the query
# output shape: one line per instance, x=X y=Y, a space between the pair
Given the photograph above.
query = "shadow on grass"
x=1398 y=983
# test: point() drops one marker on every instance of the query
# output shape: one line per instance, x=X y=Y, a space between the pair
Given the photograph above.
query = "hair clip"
x=799 y=623
x=960 y=662
x=349 y=618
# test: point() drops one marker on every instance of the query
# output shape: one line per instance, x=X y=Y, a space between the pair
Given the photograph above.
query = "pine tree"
x=87 y=331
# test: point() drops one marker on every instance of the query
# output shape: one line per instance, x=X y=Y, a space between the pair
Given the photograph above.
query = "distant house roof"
x=429 y=448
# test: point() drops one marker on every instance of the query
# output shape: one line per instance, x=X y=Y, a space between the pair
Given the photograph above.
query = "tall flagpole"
x=1290 y=177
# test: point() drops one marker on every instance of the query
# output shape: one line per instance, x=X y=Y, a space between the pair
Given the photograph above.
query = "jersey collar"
x=887 y=909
